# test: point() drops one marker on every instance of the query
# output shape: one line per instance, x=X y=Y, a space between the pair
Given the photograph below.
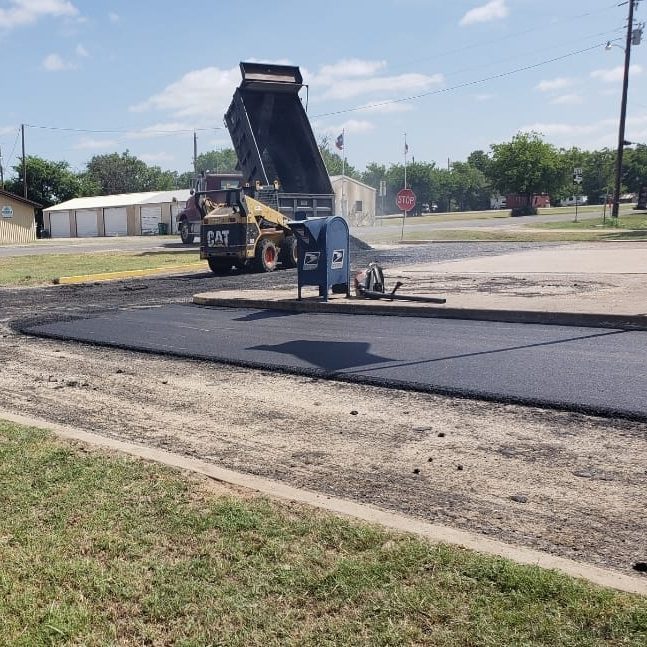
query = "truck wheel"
x=219 y=265
x=267 y=256
x=289 y=257
x=185 y=233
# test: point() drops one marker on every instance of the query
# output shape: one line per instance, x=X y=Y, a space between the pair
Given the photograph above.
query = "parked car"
x=574 y=199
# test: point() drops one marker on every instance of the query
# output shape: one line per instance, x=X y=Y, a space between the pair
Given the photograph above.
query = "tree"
x=527 y=165
x=224 y=161
x=48 y=182
x=334 y=163
x=374 y=174
x=470 y=187
x=481 y=161
x=635 y=168
x=113 y=173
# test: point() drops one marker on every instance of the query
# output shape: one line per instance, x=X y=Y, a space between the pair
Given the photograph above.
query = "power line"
x=109 y=131
x=516 y=34
x=15 y=143
x=460 y=86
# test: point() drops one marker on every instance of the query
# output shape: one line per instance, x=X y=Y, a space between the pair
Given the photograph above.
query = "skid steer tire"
x=289 y=257
x=220 y=265
x=266 y=257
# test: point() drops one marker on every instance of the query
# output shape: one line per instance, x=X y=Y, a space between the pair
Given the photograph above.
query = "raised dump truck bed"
x=272 y=136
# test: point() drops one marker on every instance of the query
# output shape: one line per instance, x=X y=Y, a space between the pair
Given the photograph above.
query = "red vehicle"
x=188 y=220
x=516 y=201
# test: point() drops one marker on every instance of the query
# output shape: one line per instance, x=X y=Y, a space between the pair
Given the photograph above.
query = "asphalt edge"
x=126 y=274
x=431 y=532
x=586 y=320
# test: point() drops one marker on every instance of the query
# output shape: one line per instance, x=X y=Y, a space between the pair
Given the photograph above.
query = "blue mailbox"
x=324 y=254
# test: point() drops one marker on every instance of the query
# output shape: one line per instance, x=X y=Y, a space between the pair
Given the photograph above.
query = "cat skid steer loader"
x=283 y=175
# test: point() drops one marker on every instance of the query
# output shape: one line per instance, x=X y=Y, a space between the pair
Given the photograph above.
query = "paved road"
x=584 y=369
x=85 y=245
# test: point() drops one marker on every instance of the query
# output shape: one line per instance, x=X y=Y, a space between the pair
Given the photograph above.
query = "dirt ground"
x=579 y=482
x=566 y=483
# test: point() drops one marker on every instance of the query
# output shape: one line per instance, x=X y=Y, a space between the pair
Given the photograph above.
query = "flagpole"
x=343 y=172
x=404 y=213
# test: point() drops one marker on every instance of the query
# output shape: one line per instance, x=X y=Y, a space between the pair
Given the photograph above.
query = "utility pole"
x=24 y=162
x=195 y=152
x=623 y=112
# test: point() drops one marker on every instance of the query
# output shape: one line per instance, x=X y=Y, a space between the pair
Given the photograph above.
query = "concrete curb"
x=126 y=274
x=583 y=319
x=394 y=521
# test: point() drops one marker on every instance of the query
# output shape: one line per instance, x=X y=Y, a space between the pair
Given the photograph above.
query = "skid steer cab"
x=240 y=232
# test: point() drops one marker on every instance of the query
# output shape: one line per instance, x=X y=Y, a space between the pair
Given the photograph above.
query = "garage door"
x=59 y=224
x=86 y=223
x=115 y=220
x=176 y=207
x=151 y=217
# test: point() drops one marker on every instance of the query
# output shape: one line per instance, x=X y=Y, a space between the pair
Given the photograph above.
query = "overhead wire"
x=459 y=86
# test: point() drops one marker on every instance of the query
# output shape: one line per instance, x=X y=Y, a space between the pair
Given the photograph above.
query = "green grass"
x=510 y=235
x=45 y=268
x=104 y=550
x=636 y=222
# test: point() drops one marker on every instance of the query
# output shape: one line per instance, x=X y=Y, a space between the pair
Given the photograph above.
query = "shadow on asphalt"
x=328 y=355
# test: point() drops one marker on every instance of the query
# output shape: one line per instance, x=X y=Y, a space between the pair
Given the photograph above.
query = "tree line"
x=527 y=165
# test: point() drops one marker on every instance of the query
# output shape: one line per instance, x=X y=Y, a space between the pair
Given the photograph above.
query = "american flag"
x=339 y=142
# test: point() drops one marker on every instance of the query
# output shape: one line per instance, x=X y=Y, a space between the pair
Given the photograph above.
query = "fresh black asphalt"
x=582 y=369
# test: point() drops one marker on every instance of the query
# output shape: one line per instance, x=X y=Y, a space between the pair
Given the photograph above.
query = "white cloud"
x=153 y=158
x=567 y=99
x=92 y=144
x=411 y=83
x=8 y=130
x=494 y=10
x=615 y=74
x=201 y=93
x=113 y=17
x=351 y=127
x=553 y=85
x=81 y=52
x=385 y=106
x=26 y=12
x=55 y=63
x=344 y=69
x=161 y=130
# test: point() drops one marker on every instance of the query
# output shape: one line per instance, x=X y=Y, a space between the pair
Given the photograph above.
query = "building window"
x=358 y=206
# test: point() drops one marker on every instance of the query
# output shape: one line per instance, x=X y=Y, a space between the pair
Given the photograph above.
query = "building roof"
x=122 y=200
x=19 y=198
x=337 y=178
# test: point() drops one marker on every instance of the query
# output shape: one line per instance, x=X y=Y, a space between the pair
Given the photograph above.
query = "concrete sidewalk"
x=589 y=284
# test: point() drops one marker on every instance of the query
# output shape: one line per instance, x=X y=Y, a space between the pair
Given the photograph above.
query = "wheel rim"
x=269 y=255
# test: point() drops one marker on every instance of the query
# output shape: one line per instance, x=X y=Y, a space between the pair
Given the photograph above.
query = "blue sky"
x=142 y=74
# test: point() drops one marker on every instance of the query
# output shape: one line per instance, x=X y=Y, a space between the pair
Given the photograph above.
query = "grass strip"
x=509 y=235
x=635 y=222
x=46 y=268
x=104 y=550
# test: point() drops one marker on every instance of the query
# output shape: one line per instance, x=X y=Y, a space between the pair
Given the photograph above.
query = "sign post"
x=382 y=195
x=406 y=201
x=577 y=181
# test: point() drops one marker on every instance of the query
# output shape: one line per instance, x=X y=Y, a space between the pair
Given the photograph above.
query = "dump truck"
x=283 y=175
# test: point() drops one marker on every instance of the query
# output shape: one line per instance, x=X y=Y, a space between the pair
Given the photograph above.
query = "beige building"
x=17 y=218
x=354 y=200
x=126 y=214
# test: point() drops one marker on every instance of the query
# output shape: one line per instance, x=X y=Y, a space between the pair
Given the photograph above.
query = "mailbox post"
x=324 y=254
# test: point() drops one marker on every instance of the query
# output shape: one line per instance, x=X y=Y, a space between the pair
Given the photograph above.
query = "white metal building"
x=354 y=200
x=126 y=214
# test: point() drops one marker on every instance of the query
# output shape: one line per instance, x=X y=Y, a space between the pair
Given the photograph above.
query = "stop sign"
x=406 y=200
